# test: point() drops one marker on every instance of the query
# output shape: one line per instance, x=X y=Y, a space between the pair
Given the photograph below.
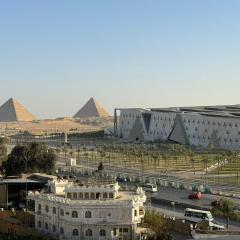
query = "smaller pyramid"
x=91 y=109
x=13 y=111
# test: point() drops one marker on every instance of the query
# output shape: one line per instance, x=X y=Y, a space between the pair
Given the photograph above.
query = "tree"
x=158 y=224
x=34 y=157
x=3 y=151
x=227 y=210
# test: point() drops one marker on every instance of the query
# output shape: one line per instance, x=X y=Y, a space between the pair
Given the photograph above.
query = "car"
x=149 y=187
x=121 y=179
x=216 y=203
x=195 y=195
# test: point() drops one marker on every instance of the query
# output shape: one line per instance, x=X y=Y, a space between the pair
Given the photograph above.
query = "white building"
x=96 y=210
x=218 y=126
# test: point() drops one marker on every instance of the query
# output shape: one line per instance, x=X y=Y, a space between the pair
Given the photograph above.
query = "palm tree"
x=227 y=211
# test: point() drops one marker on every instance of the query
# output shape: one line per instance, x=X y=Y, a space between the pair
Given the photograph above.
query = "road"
x=130 y=170
x=179 y=214
x=166 y=195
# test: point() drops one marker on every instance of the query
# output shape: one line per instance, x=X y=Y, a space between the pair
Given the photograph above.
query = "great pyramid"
x=91 y=109
x=13 y=111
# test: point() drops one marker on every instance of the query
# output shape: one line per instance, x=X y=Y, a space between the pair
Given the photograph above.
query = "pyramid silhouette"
x=91 y=109
x=13 y=111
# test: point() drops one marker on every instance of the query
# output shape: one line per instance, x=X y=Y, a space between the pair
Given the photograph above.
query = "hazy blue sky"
x=56 y=54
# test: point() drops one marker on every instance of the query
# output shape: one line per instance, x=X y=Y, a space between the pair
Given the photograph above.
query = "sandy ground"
x=56 y=125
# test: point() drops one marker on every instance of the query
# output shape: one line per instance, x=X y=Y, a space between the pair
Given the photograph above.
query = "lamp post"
x=173 y=205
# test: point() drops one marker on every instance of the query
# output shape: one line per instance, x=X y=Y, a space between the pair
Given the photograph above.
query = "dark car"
x=216 y=203
x=121 y=179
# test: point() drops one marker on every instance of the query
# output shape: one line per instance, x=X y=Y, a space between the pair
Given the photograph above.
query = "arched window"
x=61 y=230
x=102 y=233
x=87 y=195
x=46 y=226
x=110 y=195
x=92 y=195
x=105 y=195
x=69 y=195
x=88 y=233
x=74 y=214
x=88 y=214
x=54 y=210
x=80 y=195
x=61 y=212
x=75 y=232
x=74 y=195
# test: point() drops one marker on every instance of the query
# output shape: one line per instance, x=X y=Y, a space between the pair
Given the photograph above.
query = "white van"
x=149 y=187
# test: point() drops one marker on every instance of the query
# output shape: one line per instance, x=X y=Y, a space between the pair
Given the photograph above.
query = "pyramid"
x=91 y=109
x=13 y=111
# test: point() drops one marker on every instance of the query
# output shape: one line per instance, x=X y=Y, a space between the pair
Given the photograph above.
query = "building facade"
x=89 y=211
x=218 y=126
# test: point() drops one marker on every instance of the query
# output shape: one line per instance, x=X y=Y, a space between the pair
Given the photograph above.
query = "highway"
x=170 y=177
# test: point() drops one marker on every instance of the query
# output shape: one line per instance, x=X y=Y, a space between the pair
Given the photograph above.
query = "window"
x=135 y=213
x=46 y=226
x=39 y=207
x=141 y=210
x=74 y=214
x=88 y=214
x=114 y=232
x=69 y=195
x=54 y=210
x=74 y=195
x=54 y=228
x=39 y=224
x=87 y=195
x=125 y=230
x=75 y=232
x=61 y=212
x=88 y=233
x=105 y=195
x=80 y=195
x=110 y=195
x=98 y=195
x=61 y=230
x=92 y=195
x=46 y=208
x=102 y=233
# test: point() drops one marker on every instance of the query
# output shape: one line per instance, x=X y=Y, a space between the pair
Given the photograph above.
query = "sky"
x=55 y=55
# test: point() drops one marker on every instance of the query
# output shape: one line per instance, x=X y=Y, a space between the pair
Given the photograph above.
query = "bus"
x=196 y=216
